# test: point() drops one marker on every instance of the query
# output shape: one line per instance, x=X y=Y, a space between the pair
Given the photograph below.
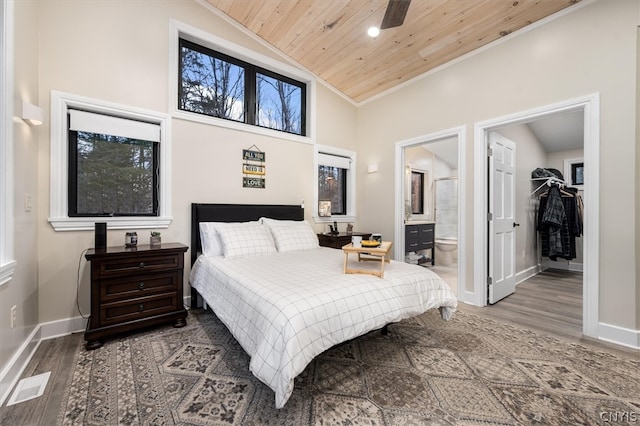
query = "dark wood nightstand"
x=338 y=240
x=132 y=288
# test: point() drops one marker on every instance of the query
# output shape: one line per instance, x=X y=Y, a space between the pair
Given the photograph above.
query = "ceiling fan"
x=395 y=14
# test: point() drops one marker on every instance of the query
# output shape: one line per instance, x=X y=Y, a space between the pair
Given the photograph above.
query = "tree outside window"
x=112 y=175
x=332 y=186
x=218 y=85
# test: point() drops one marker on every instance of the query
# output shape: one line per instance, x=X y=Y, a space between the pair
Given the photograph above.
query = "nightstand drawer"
x=137 y=286
x=411 y=246
x=139 y=308
x=114 y=267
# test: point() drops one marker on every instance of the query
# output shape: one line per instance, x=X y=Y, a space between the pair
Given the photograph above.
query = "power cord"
x=78 y=285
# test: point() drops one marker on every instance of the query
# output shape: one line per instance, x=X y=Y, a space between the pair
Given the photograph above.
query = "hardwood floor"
x=550 y=301
x=54 y=355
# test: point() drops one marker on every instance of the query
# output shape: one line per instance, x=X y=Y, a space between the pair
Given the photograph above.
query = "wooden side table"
x=133 y=288
x=379 y=254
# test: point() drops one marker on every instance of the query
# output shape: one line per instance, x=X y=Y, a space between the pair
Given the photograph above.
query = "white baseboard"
x=53 y=329
x=619 y=335
x=16 y=365
x=566 y=265
x=528 y=273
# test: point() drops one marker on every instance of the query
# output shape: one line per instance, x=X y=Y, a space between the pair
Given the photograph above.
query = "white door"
x=502 y=224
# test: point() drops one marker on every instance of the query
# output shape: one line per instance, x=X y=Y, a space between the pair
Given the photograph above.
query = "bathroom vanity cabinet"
x=418 y=237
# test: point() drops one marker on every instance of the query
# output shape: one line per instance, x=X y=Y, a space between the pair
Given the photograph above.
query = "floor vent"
x=29 y=388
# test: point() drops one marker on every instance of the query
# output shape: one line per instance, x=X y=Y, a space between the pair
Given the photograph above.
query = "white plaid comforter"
x=286 y=308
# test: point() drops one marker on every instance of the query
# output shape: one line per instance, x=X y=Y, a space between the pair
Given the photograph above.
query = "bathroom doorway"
x=438 y=159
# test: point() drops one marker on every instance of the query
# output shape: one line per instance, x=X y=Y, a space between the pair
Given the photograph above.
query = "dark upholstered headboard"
x=236 y=213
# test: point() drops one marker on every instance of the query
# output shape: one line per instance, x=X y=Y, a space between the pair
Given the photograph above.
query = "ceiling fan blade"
x=396 y=11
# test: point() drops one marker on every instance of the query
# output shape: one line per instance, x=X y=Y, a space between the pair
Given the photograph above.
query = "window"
x=108 y=161
x=216 y=82
x=218 y=85
x=332 y=187
x=113 y=166
x=577 y=174
x=335 y=177
x=574 y=172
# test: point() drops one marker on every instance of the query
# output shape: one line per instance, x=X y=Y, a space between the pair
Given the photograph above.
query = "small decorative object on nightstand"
x=155 y=238
x=131 y=239
x=133 y=288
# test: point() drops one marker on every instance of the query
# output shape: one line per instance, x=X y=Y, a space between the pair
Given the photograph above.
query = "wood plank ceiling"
x=329 y=38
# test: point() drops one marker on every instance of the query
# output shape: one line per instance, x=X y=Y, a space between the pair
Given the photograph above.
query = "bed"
x=284 y=298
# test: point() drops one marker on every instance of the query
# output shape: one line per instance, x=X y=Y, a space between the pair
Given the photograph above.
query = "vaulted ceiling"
x=329 y=37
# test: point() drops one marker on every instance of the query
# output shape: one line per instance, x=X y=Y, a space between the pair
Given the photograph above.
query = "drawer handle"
x=141 y=265
x=141 y=307
x=140 y=285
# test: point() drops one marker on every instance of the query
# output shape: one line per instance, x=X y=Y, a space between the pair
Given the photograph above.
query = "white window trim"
x=58 y=203
x=179 y=30
x=7 y=261
x=351 y=186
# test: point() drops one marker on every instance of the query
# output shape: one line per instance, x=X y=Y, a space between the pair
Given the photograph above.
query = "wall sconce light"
x=32 y=114
x=373 y=168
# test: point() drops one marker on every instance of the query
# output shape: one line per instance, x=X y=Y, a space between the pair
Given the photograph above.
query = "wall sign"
x=253 y=168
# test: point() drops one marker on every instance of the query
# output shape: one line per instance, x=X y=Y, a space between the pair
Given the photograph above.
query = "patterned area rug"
x=468 y=371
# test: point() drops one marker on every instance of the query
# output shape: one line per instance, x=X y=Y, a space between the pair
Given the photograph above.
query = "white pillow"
x=292 y=235
x=210 y=239
x=246 y=239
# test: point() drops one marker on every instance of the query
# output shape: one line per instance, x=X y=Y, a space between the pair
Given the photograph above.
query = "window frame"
x=7 y=230
x=350 y=215
x=179 y=30
x=59 y=218
x=250 y=87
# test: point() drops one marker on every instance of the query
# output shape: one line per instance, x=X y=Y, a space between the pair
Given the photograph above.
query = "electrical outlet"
x=524 y=254
x=14 y=310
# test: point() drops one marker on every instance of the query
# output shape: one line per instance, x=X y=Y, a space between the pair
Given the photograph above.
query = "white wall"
x=592 y=49
x=22 y=290
x=119 y=52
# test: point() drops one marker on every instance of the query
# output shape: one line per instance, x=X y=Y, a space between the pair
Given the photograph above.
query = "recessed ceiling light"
x=373 y=32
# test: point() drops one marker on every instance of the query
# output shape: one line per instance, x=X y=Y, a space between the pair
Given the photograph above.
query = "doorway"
x=453 y=137
x=589 y=107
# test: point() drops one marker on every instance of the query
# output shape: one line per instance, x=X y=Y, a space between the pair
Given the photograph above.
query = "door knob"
x=515 y=224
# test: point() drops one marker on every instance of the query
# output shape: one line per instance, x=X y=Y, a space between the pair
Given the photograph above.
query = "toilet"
x=445 y=248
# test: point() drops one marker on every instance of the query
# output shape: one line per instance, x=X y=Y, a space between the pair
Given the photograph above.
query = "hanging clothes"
x=559 y=222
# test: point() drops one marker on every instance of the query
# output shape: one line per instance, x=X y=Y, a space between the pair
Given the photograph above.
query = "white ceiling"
x=559 y=132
